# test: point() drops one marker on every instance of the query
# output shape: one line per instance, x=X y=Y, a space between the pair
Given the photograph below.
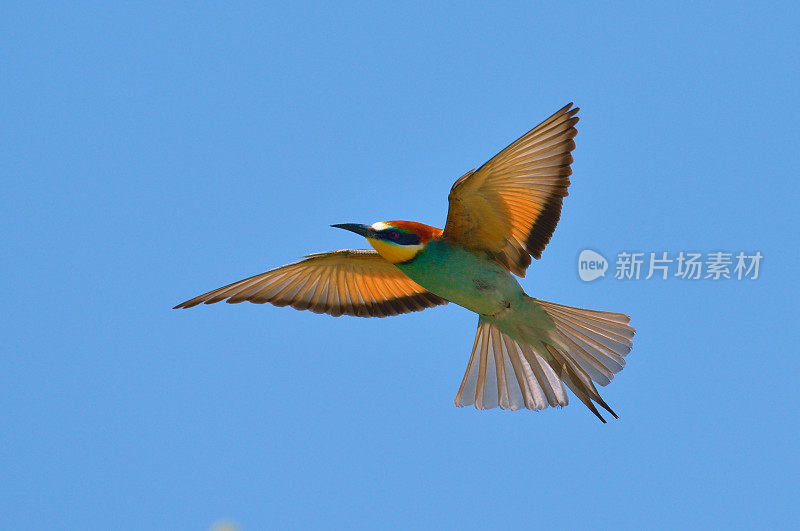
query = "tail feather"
x=579 y=383
x=586 y=346
x=596 y=341
x=502 y=372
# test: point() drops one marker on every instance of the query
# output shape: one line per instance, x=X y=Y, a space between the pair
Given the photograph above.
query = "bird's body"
x=525 y=349
x=464 y=277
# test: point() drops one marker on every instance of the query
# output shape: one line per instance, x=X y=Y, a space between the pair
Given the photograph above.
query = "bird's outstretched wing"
x=348 y=282
x=510 y=206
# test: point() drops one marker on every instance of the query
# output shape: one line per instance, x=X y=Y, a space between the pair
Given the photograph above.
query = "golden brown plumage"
x=509 y=207
x=348 y=282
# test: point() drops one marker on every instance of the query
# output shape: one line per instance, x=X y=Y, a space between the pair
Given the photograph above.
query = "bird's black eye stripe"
x=399 y=237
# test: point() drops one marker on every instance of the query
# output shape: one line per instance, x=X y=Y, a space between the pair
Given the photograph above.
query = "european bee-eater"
x=499 y=216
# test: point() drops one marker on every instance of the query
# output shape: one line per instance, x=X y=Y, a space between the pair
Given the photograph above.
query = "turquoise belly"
x=465 y=278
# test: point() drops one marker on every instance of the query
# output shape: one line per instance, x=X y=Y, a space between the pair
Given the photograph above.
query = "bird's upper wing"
x=510 y=206
x=350 y=282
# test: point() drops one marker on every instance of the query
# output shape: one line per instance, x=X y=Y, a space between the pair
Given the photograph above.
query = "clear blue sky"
x=151 y=152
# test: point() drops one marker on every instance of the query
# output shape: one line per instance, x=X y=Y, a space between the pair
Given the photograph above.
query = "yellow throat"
x=395 y=254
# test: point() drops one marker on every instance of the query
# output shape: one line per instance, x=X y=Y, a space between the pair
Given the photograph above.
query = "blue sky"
x=151 y=152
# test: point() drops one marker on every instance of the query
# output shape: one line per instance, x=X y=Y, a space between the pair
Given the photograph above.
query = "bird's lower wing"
x=355 y=282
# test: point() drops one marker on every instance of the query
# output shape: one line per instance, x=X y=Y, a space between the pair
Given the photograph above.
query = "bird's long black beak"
x=358 y=228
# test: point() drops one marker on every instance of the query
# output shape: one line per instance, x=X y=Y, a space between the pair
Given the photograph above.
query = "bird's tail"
x=530 y=369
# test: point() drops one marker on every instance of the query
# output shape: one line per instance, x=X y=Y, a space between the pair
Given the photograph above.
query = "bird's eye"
x=394 y=235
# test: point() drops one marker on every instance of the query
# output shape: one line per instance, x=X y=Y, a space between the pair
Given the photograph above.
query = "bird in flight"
x=526 y=350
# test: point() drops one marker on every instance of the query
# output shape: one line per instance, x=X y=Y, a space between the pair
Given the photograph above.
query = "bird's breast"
x=463 y=277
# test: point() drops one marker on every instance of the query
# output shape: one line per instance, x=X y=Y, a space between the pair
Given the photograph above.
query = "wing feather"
x=511 y=205
x=348 y=282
